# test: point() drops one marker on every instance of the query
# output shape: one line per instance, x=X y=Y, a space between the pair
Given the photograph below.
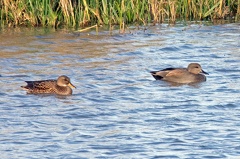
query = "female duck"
x=61 y=86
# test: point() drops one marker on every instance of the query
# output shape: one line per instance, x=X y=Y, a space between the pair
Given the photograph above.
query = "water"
x=118 y=110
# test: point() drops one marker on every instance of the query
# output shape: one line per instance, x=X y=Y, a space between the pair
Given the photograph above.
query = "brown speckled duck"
x=192 y=74
x=61 y=86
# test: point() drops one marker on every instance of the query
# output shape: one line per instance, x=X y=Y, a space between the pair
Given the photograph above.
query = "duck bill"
x=205 y=72
x=71 y=85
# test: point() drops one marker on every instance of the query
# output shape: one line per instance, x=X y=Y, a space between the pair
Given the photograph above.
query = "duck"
x=61 y=86
x=192 y=74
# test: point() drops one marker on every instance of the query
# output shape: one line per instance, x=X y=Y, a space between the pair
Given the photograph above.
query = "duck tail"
x=28 y=86
x=155 y=75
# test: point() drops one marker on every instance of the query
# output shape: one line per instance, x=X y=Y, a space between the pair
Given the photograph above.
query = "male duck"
x=192 y=74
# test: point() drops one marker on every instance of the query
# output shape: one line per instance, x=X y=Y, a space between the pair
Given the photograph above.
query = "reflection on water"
x=118 y=110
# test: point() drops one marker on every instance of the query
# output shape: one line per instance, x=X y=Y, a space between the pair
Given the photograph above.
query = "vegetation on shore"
x=82 y=13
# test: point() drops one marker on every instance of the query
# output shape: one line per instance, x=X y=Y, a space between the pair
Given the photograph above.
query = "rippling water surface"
x=118 y=110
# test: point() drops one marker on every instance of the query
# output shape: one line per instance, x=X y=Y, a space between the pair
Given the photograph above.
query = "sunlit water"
x=118 y=110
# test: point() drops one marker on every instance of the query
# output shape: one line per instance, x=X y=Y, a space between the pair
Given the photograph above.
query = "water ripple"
x=118 y=110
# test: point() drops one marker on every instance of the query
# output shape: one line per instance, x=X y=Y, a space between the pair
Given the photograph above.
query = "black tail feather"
x=157 y=77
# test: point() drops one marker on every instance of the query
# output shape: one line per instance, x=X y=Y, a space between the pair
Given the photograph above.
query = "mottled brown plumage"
x=61 y=86
x=192 y=74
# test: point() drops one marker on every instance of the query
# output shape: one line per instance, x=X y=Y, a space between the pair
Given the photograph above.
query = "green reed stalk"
x=238 y=11
x=106 y=16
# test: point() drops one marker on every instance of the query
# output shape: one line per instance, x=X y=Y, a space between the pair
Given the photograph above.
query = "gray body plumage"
x=192 y=74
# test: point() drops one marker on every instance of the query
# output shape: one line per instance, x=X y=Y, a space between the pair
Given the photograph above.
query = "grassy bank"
x=82 y=13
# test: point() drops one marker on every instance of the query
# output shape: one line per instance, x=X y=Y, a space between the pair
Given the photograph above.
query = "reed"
x=85 y=13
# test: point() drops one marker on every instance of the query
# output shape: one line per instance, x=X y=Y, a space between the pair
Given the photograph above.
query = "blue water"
x=118 y=110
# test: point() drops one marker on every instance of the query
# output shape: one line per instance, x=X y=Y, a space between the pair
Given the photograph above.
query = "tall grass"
x=79 y=13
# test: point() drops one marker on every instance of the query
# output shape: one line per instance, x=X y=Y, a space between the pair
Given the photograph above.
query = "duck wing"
x=39 y=86
x=179 y=72
x=158 y=75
